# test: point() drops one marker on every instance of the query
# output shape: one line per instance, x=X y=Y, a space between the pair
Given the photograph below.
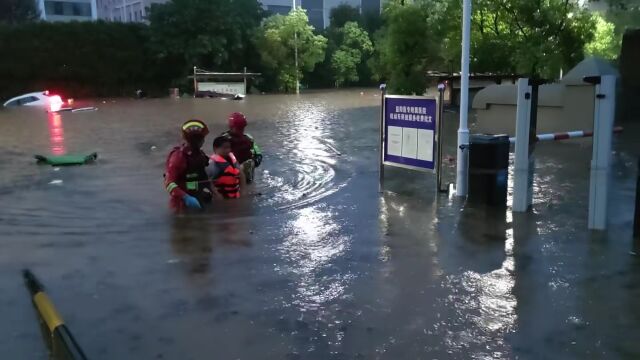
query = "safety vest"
x=194 y=180
x=228 y=183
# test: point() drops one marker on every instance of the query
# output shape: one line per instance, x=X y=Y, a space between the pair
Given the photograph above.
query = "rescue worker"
x=224 y=170
x=243 y=146
x=185 y=177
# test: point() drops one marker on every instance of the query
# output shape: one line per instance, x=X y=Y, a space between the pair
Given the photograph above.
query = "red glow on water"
x=55 y=102
x=56 y=134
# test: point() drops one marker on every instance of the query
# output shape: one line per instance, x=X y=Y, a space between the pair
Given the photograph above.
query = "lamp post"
x=462 y=178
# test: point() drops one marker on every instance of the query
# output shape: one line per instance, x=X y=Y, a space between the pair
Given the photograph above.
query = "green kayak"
x=65 y=160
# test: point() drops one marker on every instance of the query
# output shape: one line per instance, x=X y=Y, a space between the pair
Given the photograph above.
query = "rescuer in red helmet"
x=243 y=146
x=186 y=180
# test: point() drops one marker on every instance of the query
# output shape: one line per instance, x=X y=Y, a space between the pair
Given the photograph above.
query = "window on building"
x=316 y=18
x=67 y=8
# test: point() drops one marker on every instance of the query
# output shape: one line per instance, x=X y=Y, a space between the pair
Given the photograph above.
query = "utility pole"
x=462 y=178
x=295 y=44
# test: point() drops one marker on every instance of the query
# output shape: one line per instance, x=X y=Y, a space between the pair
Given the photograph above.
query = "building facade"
x=125 y=10
x=68 y=10
x=318 y=11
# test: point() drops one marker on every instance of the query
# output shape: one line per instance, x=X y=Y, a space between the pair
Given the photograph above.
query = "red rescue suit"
x=227 y=178
x=185 y=174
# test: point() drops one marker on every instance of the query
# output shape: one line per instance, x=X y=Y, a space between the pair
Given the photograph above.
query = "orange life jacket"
x=228 y=183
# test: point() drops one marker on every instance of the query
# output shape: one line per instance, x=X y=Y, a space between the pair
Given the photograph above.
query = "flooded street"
x=314 y=263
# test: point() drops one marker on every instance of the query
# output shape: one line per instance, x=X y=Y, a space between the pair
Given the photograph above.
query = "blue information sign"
x=410 y=131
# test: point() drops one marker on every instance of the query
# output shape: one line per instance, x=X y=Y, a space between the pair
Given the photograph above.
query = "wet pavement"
x=314 y=263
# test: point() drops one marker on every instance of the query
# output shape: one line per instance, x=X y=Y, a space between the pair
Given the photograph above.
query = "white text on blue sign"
x=411 y=113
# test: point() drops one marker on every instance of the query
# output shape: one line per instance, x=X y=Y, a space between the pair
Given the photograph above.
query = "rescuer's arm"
x=176 y=166
x=256 y=151
x=214 y=172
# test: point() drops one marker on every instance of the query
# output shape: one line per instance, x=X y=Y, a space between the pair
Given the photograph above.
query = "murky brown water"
x=315 y=264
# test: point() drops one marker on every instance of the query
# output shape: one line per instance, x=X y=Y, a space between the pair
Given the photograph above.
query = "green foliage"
x=18 y=11
x=342 y=14
x=277 y=41
x=605 y=43
x=371 y=21
x=535 y=38
x=354 y=44
x=80 y=59
x=624 y=14
x=409 y=44
x=211 y=34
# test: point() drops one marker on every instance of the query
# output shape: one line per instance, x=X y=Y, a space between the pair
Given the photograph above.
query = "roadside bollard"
x=59 y=340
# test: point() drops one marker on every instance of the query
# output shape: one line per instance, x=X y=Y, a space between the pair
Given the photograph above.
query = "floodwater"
x=313 y=263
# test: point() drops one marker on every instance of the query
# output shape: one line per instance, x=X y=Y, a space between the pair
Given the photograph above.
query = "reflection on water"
x=56 y=134
x=317 y=265
x=308 y=157
x=483 y=297
x=313 y=242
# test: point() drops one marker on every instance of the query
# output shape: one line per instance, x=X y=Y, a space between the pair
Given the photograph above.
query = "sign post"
x=409 y=130
x=441 y=88
x=383 y=93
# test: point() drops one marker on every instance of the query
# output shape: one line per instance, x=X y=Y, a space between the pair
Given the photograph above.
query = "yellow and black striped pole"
x=59 y=339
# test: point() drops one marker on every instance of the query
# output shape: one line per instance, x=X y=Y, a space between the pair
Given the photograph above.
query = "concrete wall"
x=561 y=108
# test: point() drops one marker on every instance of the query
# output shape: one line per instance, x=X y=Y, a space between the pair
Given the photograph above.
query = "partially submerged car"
x=40 y=98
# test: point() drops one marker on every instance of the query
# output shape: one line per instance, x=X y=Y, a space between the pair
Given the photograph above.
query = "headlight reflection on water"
x=56 y=134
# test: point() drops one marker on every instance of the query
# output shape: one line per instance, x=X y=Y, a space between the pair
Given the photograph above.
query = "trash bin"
x=488 y=169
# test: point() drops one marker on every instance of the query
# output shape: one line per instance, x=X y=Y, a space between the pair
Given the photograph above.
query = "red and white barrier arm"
x=567 y=135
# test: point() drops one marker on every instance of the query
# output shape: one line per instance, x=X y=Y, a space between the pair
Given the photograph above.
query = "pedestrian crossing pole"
x=60 y=342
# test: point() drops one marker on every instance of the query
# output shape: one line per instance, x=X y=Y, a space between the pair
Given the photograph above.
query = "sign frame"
x=436 y=135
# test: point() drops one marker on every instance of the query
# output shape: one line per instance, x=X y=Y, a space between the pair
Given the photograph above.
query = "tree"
x=625 y=14
x=342 y=14
x=409 y=44
x=277 y=40
x=535 y=38
x=605 y=43
x=104 y=59
x=212 y=34
x=18 y=11
x=354 y=44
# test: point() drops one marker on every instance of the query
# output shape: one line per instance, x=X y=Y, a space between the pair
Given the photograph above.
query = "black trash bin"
x=488 y=169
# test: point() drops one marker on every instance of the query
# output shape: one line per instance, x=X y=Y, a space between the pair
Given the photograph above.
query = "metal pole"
x=533 y=130
x=59 y=339
x=439 y=134
x=605 y=100
x=522 y=165
x=295 y=44
x=195 y=82
x=244 y=76
x=383 y=92
x=462 y=178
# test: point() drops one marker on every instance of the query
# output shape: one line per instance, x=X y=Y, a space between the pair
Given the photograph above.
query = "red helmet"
x=237 y=120
x=194 y=129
